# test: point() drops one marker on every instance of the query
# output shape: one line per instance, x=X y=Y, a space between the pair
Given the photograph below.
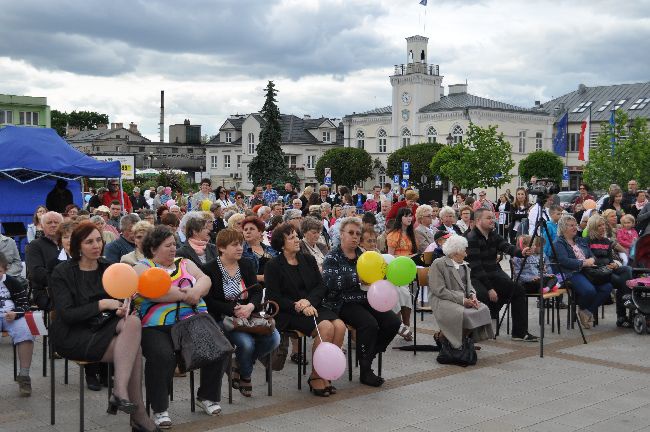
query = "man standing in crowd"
x=411 y=198
x=629 y=197
x=113 y=194
x=204 y=193
x=380 y=226
x=125 y=244
x=483 y=202
x=493 y=286
x=59 y=197
x=39 y=254
x=116 y=212
x=359 y=198
x=387 y=193
x=270 y=195
x=137 y=201
x=258 y=197
x=289 y=193
x=276 y=209
x=97 y=199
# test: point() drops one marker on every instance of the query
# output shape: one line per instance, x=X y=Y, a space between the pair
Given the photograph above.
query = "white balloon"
x=388 y=258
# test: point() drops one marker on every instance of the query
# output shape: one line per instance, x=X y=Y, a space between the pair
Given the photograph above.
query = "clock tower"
x=416 y=84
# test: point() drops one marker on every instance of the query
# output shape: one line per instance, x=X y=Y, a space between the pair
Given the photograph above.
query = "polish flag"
x=583 y=144
x=35 y=323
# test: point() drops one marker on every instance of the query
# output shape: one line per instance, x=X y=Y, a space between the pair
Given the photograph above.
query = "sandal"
x=245 y=387
x=297 y=358
x=406 y=332
x=330 y=388
x=623 y=322
x=324 y=392
x=235 y=377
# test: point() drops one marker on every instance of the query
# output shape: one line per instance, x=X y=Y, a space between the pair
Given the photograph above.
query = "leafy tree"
x=81 y=119
x=627 y=158
x=483 y=159
x=268 y=163
x=420 y=156
x=349 y=165
x=543 y=164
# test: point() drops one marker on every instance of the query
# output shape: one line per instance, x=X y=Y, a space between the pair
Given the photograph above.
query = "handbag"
x=100 y=320
x=598 y=275
x=463 y=356
x=256 y=323
x=198 y=341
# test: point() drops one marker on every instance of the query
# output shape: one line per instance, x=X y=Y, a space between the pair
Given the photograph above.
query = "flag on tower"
x=583 y=144
x=560 y=139
x=423 y=2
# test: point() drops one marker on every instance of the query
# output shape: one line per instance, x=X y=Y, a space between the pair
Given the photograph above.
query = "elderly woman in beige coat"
x=423 y=232
x=453 y=299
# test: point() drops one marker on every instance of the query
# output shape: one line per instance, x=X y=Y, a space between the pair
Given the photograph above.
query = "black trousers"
x=506 y=289
x=375 y=330
x=620 y=276
x=159 y=369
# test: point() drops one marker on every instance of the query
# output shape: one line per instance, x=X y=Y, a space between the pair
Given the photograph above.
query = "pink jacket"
x=626 y=237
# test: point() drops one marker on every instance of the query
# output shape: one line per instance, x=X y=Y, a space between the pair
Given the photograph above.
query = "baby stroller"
x=640 y=297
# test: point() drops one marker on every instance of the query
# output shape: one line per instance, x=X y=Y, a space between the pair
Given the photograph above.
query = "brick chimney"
x=133 y=128
x=102 y=126
x=72 y=131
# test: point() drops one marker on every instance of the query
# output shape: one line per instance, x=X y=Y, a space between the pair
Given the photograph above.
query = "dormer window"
x=326 y=136
x=228 y=137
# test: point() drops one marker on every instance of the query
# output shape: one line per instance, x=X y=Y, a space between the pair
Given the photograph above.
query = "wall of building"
x=25 y=104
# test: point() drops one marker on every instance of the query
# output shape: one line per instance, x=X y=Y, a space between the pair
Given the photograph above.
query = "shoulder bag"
x=198 y=341
x=256 y=323
x=598 y=275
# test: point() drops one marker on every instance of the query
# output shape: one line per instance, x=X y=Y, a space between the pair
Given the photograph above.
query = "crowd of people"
x=227 y=253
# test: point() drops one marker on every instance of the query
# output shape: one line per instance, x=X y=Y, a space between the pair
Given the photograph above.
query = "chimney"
x=112 y=126
x=306 y=117
x=102 y=126
x=117 y=126
x=457 y=89
x=161 y=124
x=72 y=131
x=186 y=122
x=442 y=91
x=538 y=104
x=133 y=128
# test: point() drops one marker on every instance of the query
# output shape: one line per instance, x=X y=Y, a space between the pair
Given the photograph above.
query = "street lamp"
x=423 y=180
x=450 y=139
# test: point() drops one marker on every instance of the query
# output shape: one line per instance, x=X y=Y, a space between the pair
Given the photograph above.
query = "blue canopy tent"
x=32 y=160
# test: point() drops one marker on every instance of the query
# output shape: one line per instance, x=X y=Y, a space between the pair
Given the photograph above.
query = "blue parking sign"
x=404 y=183
x=565 y=173
x=396 y=179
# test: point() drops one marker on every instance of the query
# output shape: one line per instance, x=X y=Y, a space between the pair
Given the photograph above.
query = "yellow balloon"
x=205 y=205
x=371 y=267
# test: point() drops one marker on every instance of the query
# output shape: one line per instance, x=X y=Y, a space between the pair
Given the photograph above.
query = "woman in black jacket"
x=518 y=212
x=231 y=295
x=294 y=281
x=91 y=326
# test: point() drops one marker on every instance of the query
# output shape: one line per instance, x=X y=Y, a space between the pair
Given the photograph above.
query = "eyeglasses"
x=354 y=233
x=582 y=188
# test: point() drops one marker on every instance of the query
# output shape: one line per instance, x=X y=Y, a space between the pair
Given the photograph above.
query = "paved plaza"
x=601 y=386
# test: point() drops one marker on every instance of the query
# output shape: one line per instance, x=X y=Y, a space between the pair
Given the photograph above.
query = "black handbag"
x=198 y=341
x=598 y=275
x=100 y=320
x=463 y=356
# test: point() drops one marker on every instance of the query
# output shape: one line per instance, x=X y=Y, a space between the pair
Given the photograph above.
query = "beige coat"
x=446 y=294
x=423 y=237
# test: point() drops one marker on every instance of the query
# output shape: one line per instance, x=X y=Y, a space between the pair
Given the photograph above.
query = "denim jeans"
x=590 y=296
x=249 y=347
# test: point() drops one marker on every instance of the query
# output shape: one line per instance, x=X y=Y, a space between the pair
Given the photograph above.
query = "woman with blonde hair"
x=235 y=221
x=140 y=231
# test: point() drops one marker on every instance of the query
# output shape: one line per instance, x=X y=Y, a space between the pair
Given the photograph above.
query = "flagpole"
x=566 y=153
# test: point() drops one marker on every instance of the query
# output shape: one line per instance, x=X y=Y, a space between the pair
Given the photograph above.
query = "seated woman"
x=254 y=250
x=80 y=330
x=574 y=256
x=158 y=315
x=310 y=245
x=71 y=212
x=602 y=249
x=448 y=221
x=197 y=247
x=100 y=223
x=140 y=231
x=375 y=330
x=453 y=299
x=294 y=281
x=232 y=276
x=423 y=233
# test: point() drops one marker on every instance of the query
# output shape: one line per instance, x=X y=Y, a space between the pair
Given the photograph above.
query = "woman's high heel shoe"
x=324 y=392
x=138 y=428
x=115 y=403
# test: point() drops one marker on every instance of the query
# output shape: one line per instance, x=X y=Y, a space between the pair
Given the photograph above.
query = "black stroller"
x=640 y=286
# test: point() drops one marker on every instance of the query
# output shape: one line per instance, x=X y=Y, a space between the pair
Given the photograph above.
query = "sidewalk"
x=602 y=386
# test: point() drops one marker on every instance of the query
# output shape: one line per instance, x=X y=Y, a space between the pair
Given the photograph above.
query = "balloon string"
x=317 y=331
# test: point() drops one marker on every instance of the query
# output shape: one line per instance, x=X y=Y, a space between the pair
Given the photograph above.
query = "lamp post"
x=423 y=180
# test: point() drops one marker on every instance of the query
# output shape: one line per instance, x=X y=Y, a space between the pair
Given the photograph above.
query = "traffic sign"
x=396 y=179
x=404 y=183
x=406 y=169
x=565 y=173
x=328 y=177
x=328 y=181
x=438 y=181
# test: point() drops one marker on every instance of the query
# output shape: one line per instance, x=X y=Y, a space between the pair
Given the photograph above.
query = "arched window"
x=381 y=141
x=406 y=137
x=251 y=143
x=431 y=135
x=360 y=139
x=457 y=134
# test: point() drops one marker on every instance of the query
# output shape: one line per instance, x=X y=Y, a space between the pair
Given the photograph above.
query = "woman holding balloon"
x=375 y=329
x=169 y=285
x=294 y=281
x=92 y=325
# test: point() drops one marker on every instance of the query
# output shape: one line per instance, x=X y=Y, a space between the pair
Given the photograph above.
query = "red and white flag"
x=583 y=144
x=35 y=323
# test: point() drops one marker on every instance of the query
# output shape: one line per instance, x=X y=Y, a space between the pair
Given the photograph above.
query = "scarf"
x=197 y=245
x=639 y=206
x=232 y=285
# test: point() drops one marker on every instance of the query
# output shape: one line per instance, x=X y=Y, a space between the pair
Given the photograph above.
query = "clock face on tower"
x=406 y=98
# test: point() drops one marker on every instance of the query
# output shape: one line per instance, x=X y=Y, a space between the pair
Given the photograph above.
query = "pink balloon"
x=170 y=203
x=382 y=296
x=431 y=247
x=329 y=361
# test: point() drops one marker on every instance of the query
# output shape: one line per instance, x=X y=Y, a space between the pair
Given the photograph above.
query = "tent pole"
x=122 y=197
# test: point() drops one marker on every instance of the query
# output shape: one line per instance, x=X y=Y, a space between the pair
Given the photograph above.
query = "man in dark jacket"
x=138 y=201
x=39 y=256
x=493 y=286
x=59 y=197
x=115 y=250
x=13 y=305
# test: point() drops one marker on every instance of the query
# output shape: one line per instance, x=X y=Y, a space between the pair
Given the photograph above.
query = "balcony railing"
x=411 y=68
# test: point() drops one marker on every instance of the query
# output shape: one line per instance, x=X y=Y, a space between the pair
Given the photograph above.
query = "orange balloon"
x=120 y=281
x=154 y=282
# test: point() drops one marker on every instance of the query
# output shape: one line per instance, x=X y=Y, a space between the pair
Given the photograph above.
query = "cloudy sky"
x=327 y=57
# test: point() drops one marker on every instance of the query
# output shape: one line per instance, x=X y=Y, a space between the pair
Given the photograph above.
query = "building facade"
x=304 y=140
x=596 y=103
x=422 y=112
x=24 y=111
